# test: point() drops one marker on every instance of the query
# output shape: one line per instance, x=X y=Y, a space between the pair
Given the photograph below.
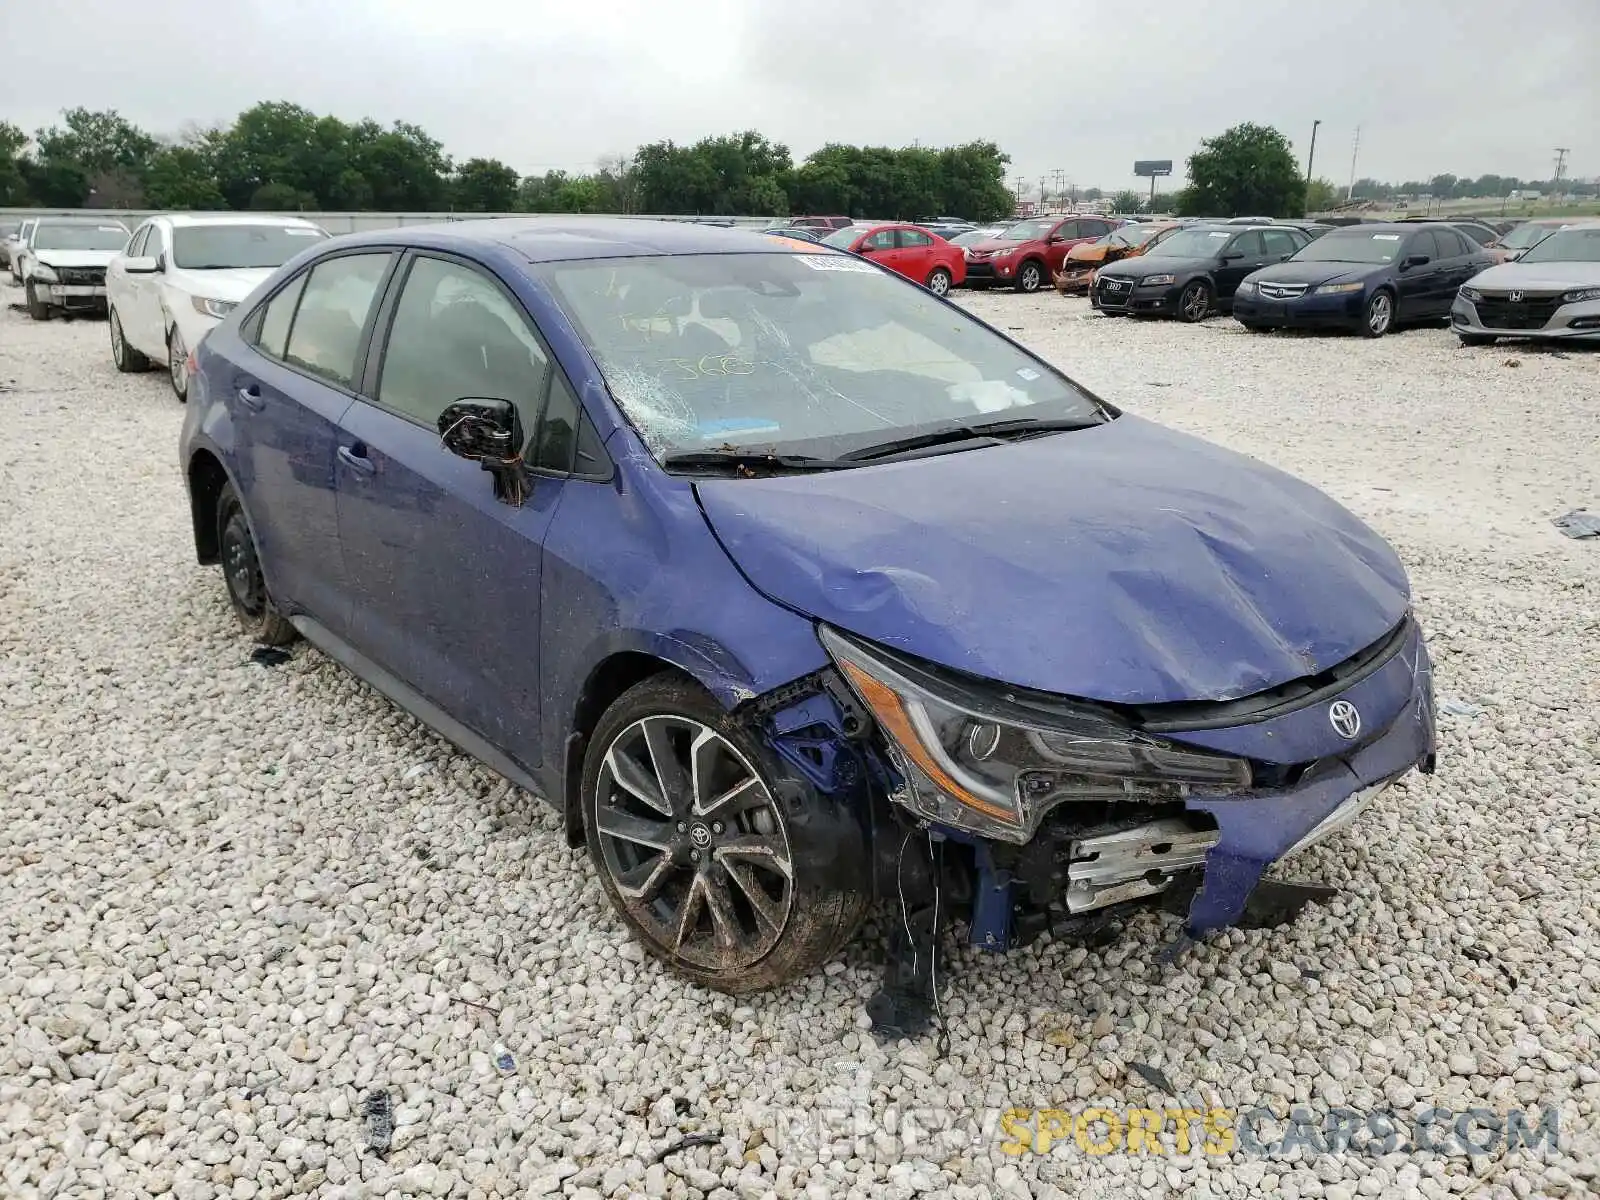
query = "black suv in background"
x=1194 y=272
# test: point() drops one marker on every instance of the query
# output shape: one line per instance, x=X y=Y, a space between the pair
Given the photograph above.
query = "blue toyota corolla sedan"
x=794 y=586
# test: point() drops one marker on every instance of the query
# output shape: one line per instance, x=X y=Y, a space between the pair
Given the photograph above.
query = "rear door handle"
x=356 y=459
x=250 y=397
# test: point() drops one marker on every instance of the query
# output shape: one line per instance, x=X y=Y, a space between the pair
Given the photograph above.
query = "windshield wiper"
x=972 y=431
x=748 y=462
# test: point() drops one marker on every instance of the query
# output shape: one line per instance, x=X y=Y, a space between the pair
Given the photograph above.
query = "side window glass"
x=914 y=237
x=457 y=337
x=277 y=316
x=152 y=241
x=882 y=240
x=553 y=443
x=591 y=451
x=1069 y=229
x=1427 y=244
x=1278 y=242
x=136 y=246
x=1480 y=237
x=326 y=331
x=1248 y=244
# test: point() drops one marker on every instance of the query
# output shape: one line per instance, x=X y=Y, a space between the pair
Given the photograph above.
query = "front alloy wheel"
x=178 y=364
x=1030 y=277
x=1380 y=314
x=693 y=843
x=728 y=868
x=1194 y=304
x=939 y=282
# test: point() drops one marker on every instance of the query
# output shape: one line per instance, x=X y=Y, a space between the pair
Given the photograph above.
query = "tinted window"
x=1424 y=243
x=914 y=237
x=1248 y=244
x=1354 y=246
x=552 y=445
x=218 y=247
x=1191 y=243
x=1279 y=242
x=456 y=336
x=326 y=332
x=882 y=240
x=1481 y=237
x=591 y=451
x=277 y=316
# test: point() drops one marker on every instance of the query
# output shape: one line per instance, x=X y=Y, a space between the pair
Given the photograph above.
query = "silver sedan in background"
x=1552 y=292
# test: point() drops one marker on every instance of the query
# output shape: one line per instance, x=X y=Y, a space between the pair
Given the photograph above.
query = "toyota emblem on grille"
x=1515 y=297
x=1345 y=719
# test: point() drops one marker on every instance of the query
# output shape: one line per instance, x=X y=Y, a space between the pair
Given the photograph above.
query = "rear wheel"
x=241 y=571
x=178 y=364
x=125 y=356
x=726 y=865
x=939 y=281
x=1194 y=302
x=1379 y=315
x=37 y=308
x=1030 y=276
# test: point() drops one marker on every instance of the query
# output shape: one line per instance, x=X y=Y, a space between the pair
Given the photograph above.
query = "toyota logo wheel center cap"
x=699 y=835
x=1345 y=719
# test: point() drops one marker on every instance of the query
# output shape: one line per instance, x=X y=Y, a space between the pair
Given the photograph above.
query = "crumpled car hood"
x=1127 y=563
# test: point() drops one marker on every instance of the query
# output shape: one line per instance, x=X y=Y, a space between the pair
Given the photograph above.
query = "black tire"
x=127 y=359
x=177 y=365
x=940 y=281
x=1031 y=276
x=820 y=900
x=1378 y=317
x=1195 y=302
x=1477 y=339
x=37 y=308
x=241 y=572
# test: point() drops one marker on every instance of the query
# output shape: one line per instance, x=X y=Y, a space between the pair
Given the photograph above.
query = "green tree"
x=55 y=184
x=97 y=142
x=13 y=183
x=281 y=197
x=183 y=177
x=1248 y=170
x=1321 y=196
x=1127 y=201
x=483 y=185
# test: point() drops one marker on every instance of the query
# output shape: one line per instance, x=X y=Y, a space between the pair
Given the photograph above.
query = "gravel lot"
x=235 y=899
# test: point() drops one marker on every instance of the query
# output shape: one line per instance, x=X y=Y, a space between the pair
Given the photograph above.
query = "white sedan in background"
x=182 y=273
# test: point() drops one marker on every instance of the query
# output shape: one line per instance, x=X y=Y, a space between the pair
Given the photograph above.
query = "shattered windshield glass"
x=815 y=354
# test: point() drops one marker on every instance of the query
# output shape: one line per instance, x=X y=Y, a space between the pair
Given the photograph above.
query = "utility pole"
x=1018 y=186
x=1060 y=176
x=1561 y=168
x=1354 y=150
x=1310 y=158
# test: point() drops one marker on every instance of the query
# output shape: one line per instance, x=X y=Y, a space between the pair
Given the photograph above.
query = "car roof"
x=573 y=239
x=185 y=220
x=81 y=221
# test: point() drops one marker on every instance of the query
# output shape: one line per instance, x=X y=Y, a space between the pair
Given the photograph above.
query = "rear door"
x=915 y=254
x=285 y=398
x=445 y=578
x=1280 y=244
x=1459 y=262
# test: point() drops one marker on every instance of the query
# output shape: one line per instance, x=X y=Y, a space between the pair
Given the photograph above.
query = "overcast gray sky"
x=1465 y=86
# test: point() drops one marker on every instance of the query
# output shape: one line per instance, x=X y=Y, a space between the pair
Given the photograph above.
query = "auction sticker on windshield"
x=835 y=262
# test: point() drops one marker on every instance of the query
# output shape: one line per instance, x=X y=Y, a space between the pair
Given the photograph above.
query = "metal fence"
x=351 y=222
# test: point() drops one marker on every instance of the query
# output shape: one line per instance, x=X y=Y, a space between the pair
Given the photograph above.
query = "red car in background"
x=912 y=251
x=1029 y=253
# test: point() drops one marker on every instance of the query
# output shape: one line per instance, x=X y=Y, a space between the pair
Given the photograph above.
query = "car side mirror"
x=489 y=431
x=1233 y=255
x=142 y=265
x=1414 y=260
x=1056 y=237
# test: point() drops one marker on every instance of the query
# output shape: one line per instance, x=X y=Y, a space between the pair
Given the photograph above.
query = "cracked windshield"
x=811 y=353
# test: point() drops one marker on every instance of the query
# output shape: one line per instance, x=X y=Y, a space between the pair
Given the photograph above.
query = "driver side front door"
x=445 y=578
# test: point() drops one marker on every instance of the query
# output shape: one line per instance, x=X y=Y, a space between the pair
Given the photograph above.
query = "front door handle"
x=356 y=459
x=250 y=397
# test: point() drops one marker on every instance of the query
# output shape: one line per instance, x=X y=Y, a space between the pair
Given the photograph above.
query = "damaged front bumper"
x=1321 y=751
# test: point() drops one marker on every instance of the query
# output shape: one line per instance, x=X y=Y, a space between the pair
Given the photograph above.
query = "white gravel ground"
x=236 y=899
